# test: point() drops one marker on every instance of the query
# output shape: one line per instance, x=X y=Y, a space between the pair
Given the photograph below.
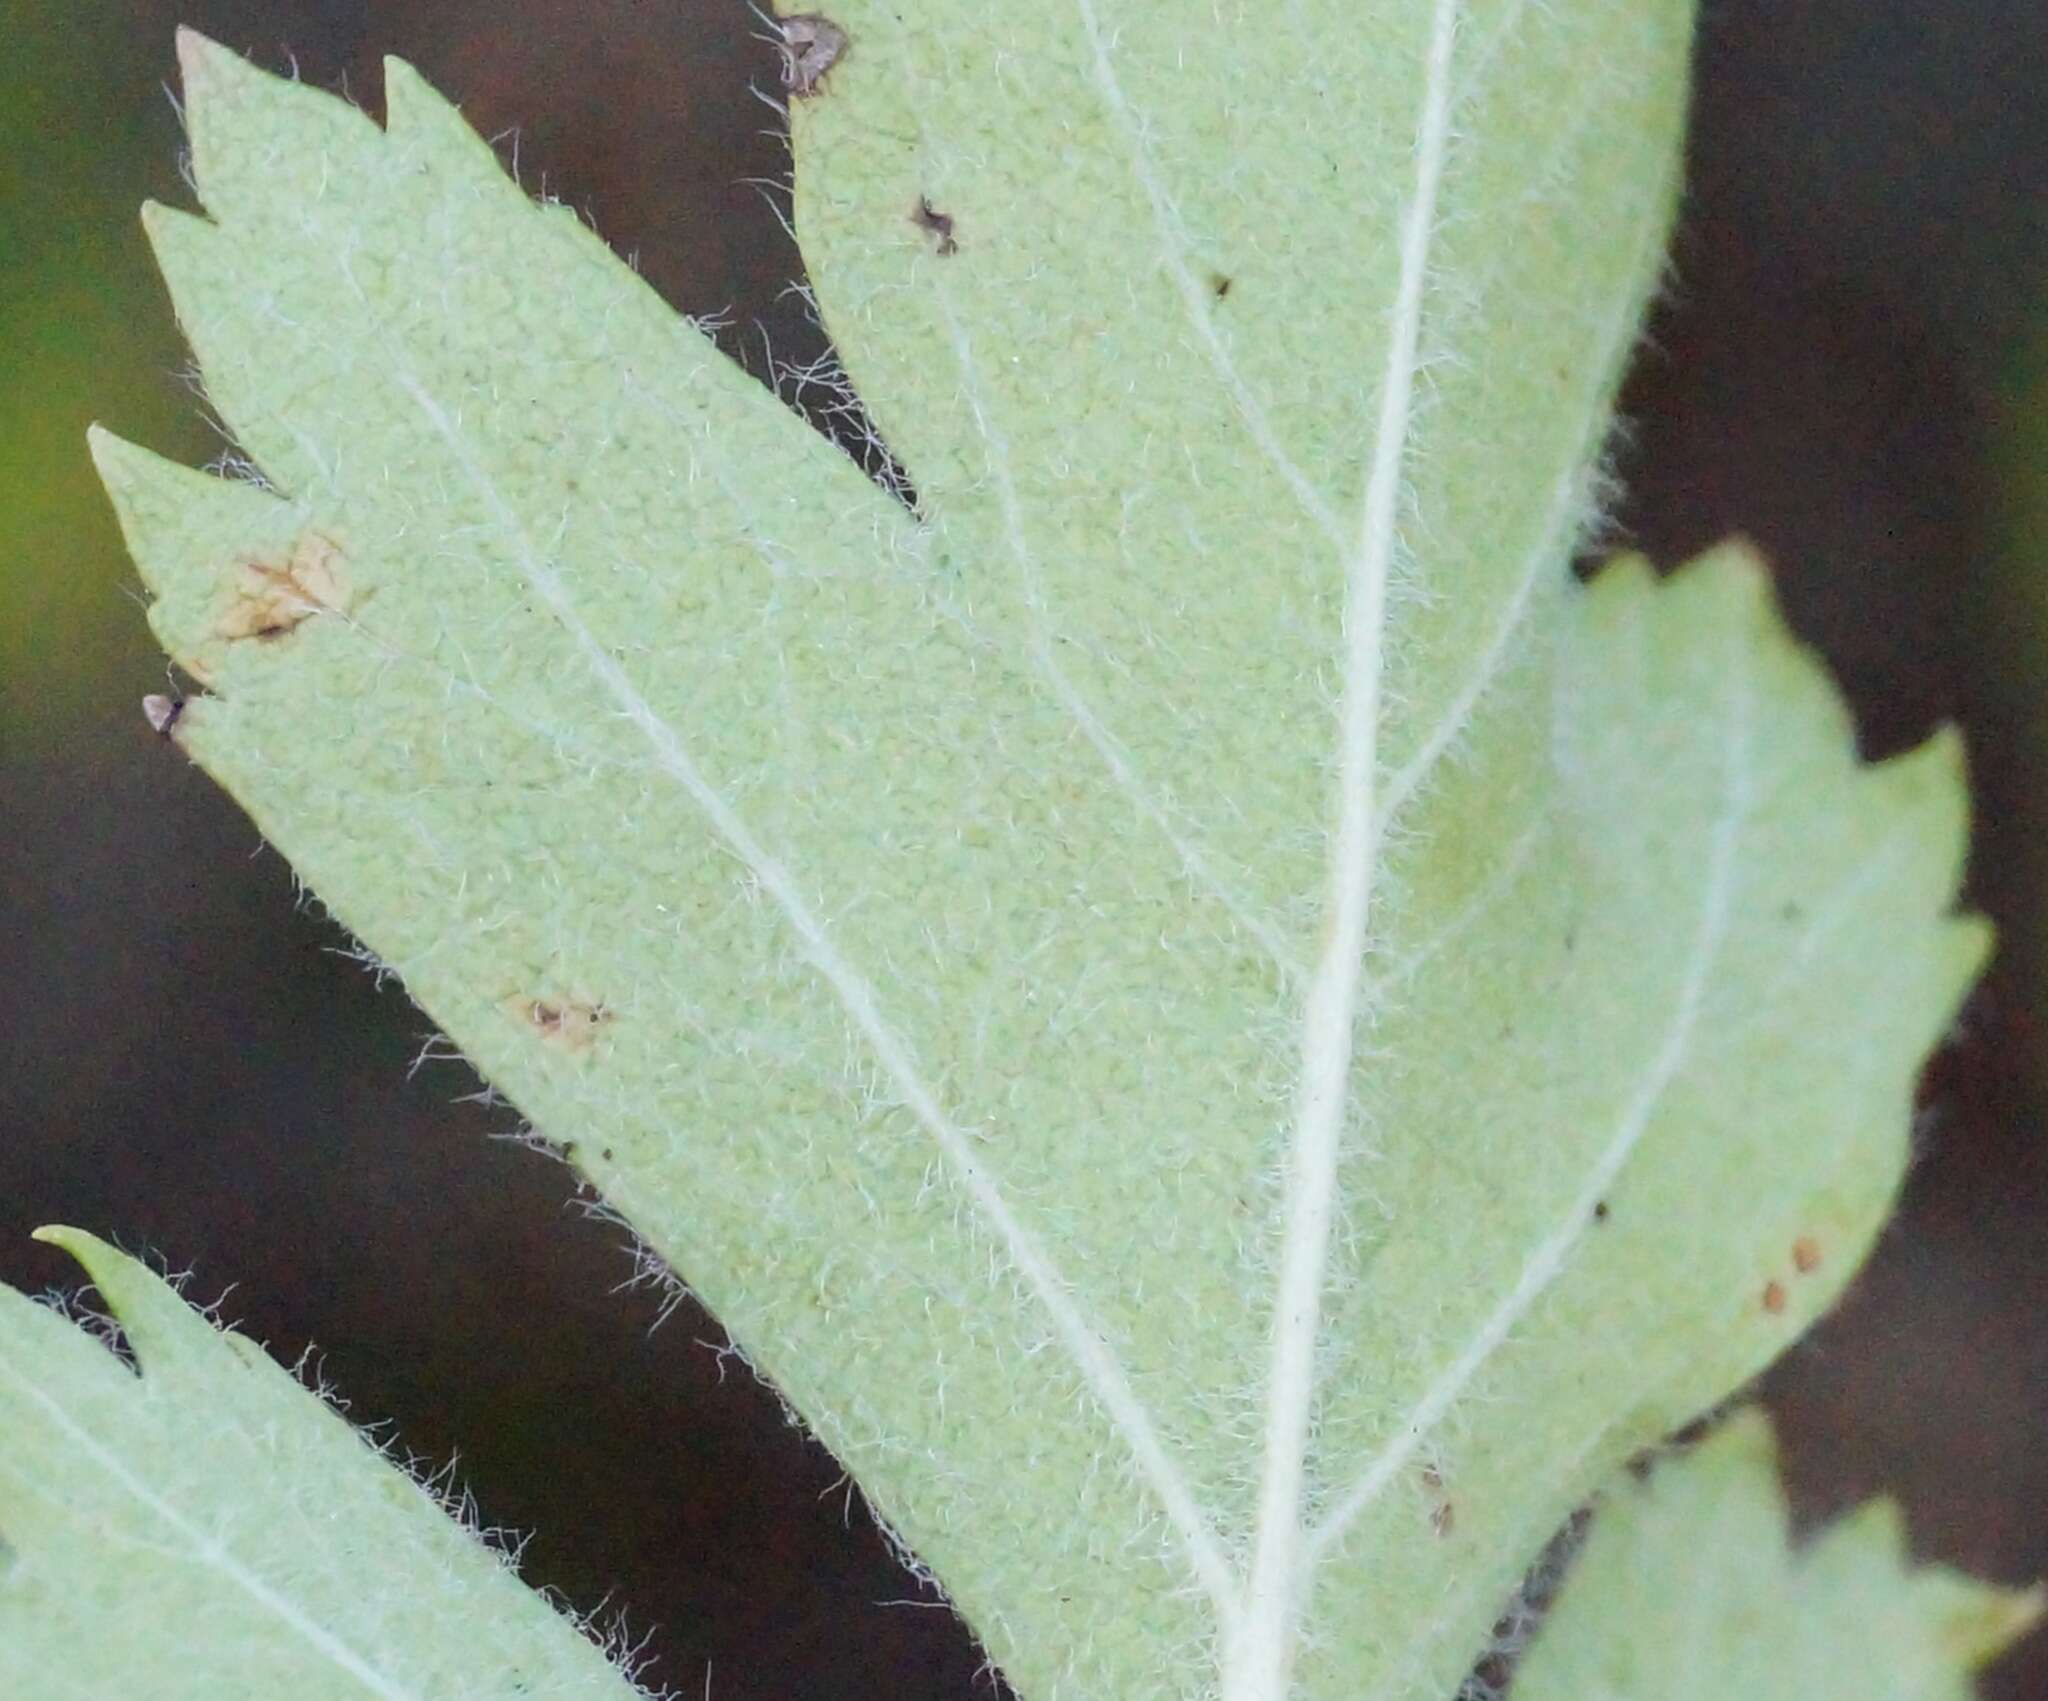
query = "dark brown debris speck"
x=939 y=225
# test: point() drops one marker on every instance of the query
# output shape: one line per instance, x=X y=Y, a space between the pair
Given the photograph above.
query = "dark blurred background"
x=1851 y=366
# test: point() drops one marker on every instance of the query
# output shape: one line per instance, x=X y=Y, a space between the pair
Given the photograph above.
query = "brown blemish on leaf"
x=1806 y=1255
x=1219 y=285
x=272 y=597
x=811 y=46
x=1441 y=1514
x=1774 y=1297
x=939 y=225
x=561 y=1022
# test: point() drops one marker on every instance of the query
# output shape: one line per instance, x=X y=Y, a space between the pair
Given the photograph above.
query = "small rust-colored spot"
x=1601 y=1212
x=1443 y=1519
x=272 y=597
x=811 y=46
x=1219 y=285
x=1432 y=1479
x=163 y=713
x=1806 y=1255
x=1774 y=1297
x=938 y=225
x=561 y=1022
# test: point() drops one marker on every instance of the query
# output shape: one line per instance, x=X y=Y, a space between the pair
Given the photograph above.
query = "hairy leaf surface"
x=1690 y=1589
x=204 y=1528
x=1227 y=1035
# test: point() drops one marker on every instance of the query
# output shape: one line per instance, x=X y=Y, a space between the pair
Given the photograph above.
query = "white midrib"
x=1196 y=300
x=1196 y=296
x=1091 y=1354
x=207 y=1550
x=1548 y=1258
x=1259 y=1653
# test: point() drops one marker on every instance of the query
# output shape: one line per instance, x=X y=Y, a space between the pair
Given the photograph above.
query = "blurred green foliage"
x=84 y=131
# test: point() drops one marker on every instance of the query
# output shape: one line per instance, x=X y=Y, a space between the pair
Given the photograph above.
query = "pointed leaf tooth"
x=1929 y=787
x=162 y=1331
x=423 y=124
x=1870 y=1536
x=1978 y=1623
x=215 y=1506
x=196 y=258
x=202 y=545
x=1930 y=783
x=1701 y=1558
x=268 y=152
x=266 y=327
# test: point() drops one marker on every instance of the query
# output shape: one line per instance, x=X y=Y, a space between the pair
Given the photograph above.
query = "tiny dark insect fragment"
x=811 y=46
x=928 y=218
x=163 y=713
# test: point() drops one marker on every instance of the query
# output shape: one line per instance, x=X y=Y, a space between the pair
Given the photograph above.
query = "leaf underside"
x=1229 y=1037
x=1689 y=1589
x=207 y=1529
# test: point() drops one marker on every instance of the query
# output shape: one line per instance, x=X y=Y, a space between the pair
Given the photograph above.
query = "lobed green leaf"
x=1227 y=1035
x=1690 y=1589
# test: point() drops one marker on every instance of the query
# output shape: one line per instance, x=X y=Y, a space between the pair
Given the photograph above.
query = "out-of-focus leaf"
x=204 y=1528
x=1690 y=1589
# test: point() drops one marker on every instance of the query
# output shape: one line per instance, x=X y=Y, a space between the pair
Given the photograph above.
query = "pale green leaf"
x=1690 y=1589
x=204 y=1528
x=1230 y=1038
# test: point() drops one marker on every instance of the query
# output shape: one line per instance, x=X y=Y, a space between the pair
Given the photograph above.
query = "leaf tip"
x=146 y=1306
x=171 y=231
x=405 y=91
x=265 y=148
x=147 y=491
x=200 y=58
x=1932 y=782
x=1742 y=555
x=108 y=453
x=1947 y=753
x=1979 y=1631
x=1975 y=938
x=420 y=117
x=1743 y=1438
x=84 y=1247
x=119 y=462
x=1734 y=573
x=210 y=73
